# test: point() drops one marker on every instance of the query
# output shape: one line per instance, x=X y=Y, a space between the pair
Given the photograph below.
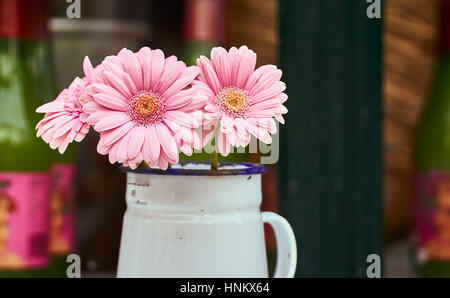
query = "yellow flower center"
x=233 y=101
x=146 y=108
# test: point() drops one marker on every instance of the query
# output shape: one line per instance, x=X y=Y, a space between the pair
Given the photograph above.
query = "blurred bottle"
x=38 y=60
x=24 y=159
x=205 y=27
x=432 y=201
x=62 y=211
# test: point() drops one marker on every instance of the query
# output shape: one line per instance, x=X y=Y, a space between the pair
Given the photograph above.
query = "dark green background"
x=331 y=152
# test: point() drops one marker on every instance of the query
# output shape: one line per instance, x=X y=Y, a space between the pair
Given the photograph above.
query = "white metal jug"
x=191 y=222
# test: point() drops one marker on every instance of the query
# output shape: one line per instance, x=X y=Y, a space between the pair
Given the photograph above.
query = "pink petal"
x=111 y=102
x=203 y=88
x=197 y=140
x=108 y=90
x=133 y=163
x=152 y=146
x=270 y=92
x=51 y=107
x=266 y=104
x=182 y=118
x=95 y=117
x=49 y=117
x=267 y=79
x=186 y=77
x=231 y=137
x=180 y=99
x=62 y=130
x=47 y=135
x=221 y=63
x=111 y=136
x=260 y=133
x=133 y=67
x=184 y=147
x=57 y=122
x=92 y=107
x=163 y=163
x=209 y=74
x=281 y=110
x=117 y=83
x=226 y=124
x=235 y=59
x=211 y=108
x=115 y=119
x=240 y=126
x=145 y=57
x=88 y=69
x=157 y=65
x=122 y=151
x=199 y=100
x=206 y=132
x=280 y=118
x=102 y=148
x=261 y=114
x=246 y=66
x=256 y=75
x=112 y=156
x=167 y=141
x=170 y=74
x=130 y=83
x=267 y=123
x=113 y=64
x=183 y=132
x=63 y=146
x=136 y=141
x=223 y=144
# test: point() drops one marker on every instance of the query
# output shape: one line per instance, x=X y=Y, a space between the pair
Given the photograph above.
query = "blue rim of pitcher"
x=225 y=169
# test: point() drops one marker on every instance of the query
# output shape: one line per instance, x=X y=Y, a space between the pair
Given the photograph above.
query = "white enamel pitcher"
x=190 y=222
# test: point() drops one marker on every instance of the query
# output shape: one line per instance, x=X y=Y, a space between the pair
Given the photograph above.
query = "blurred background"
x=352 y=168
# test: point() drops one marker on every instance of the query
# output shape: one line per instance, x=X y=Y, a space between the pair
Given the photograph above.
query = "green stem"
x=214 y=161
x=143 y=165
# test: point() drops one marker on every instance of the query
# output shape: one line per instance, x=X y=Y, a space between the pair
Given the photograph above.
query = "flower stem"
x=214 y=161
x=143 y=165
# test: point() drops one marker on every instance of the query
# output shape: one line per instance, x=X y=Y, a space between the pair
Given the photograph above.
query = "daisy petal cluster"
x=242 y=101
x=143 y=110
x=64 y=120
x=148 y=107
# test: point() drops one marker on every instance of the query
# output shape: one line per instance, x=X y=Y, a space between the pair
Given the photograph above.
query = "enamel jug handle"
x=286 y=245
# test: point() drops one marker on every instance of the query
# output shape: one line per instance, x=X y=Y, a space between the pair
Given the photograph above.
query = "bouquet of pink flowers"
x=147 y=107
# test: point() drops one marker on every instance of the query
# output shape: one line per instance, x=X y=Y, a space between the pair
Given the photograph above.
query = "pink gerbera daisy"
x=143 y=110
x=242 y=100
x=64 y=120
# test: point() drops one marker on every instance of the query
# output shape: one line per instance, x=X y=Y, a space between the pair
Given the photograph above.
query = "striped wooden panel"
x=411 y=31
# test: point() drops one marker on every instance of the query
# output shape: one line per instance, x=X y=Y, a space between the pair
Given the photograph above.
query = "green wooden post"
x=330 y=148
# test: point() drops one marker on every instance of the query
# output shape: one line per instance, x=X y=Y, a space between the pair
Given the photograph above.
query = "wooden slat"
x=410 y=39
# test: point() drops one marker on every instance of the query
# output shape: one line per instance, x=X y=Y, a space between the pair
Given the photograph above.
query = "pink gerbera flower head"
x=64 y=120
x=143 y=110
x=242 y=100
